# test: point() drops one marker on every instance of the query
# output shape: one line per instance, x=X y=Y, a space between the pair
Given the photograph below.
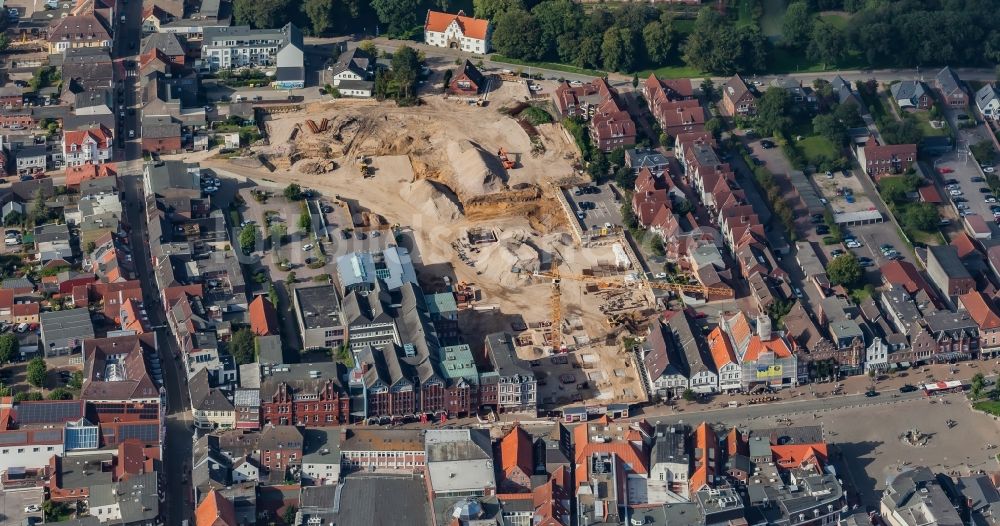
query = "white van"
x=22 y=327
x=11 y=241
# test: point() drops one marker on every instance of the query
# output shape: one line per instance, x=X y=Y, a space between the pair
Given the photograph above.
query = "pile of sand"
x=510 y=260
x=477 y=171
x=432 y=199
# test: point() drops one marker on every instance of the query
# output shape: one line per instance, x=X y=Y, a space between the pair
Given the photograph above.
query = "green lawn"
x=500 y=59
x=839 y=21
x=990 y=406
x=784 y=60
x=746 y=14
x=816 y=147
x=924 y=119
x=674 y=72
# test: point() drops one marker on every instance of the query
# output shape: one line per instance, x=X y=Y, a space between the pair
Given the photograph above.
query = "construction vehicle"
x=508 y=164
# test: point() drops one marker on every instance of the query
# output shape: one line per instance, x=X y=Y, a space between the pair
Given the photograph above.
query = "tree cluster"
x=717 y=45
x=399 y=83
x=625 y=39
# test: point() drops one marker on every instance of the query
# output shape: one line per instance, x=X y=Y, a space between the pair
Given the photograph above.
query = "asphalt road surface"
x=178 y=435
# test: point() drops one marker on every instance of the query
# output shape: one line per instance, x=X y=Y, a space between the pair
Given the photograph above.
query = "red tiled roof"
x=215 y=510
x=706 y=446
x=795 y=455
x=905 y=274
x=25 y=309
x=721 y=347
x=680 y=113
x=964 y=244
x=516 y=452
x=776 y=345
x=263 y=318
x=981 y=309
x=100 y=134
x=929 y=194
x=438 y=22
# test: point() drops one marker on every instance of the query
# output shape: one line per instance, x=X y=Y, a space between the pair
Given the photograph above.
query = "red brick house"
x=468 y=82
x=304 y=394
x=517 y=463
x=950 y=89
x=279 y=447
x=883 y=160
x=683 y=116
x=612 y=127
x=738 y=98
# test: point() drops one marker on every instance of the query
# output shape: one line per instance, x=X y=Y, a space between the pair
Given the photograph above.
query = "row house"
x=77 y=31
x=882 y=160
x=675 y=359
x=303 y=394
x=611 y=126
x=658 y=91
x=839 y=317
x=983 y=311
x=90 y=146
x=683 y=116
x=765 y=357
x=955 y=333
x=581 y=100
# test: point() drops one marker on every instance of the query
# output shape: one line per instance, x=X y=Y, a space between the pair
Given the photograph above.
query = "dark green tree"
x=37 y=371
x=588 y=53
x=398 y=16
x=242 y=346
x=248 y=238
x=293 y=192
x=263 y=14
x=492 y=9
x=827 y=45
x=618 y=50
x=559 y=22
x=773 y=112
x=921 y=216
x=320 y=13
x=832 y=129
x=9 y=347
x=517 y=35
x=797 y=27
x=845 y=270
x=659 y=41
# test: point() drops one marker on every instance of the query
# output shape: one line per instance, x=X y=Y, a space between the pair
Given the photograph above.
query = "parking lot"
x=594 y=210
x=13 y=502
x=963 y=169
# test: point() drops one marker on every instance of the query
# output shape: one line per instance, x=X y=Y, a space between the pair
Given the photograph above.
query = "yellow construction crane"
x=555 y=306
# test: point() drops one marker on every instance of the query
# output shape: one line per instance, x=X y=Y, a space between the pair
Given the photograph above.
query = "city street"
x=178 y=436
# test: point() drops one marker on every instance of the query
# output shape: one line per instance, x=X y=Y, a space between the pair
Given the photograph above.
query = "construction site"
x=479 y=194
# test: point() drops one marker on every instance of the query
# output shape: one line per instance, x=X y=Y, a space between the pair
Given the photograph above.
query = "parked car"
x=907 y=388
x=989 y=169
x=767 y=144
x=307 y=247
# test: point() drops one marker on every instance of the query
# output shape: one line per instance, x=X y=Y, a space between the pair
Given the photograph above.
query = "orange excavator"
x=508 y=164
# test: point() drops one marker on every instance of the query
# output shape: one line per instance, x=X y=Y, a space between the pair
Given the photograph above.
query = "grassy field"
x=989 y=406
x=546 y=65
x=673 y=72
x=746 y=17
x=817 y=147
x=784 y=60
x=924 y=119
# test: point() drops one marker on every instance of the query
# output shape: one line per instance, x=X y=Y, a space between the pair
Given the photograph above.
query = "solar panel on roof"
x=48 y=412
x=13 y=437
x=144 y=432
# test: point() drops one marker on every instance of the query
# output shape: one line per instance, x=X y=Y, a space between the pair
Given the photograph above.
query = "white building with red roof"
x=92 y=145
x=457 y=32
